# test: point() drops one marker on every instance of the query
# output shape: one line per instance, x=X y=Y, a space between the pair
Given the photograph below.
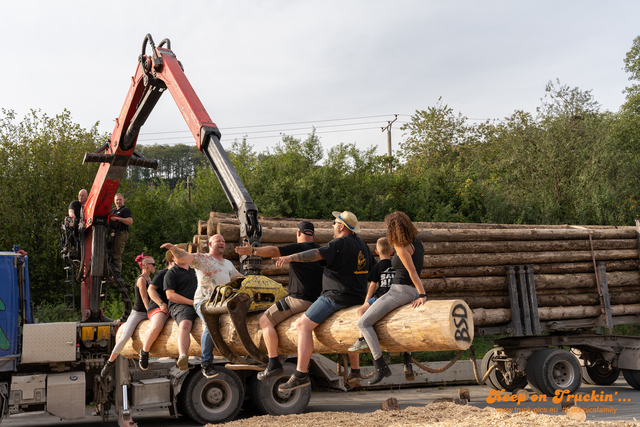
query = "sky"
x=345 y=68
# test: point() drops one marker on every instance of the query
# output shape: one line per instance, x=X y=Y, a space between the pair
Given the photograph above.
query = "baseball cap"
x=306 y=227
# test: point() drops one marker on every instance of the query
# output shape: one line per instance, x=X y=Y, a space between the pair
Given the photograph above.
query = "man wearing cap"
x=344 y=284
x=305 y=286
x=212 y=270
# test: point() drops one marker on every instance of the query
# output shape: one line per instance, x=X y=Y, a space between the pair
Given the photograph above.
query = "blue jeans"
x=397 y=296
x=206 y=343
x=322 y=308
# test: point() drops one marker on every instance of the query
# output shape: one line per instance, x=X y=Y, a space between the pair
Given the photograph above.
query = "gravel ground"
x=443 y=414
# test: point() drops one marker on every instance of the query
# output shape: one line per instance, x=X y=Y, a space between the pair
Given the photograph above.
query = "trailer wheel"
x=551 y=369
x=211 y=400
x=496 y=379
x=632 y=376
x=268 y=400
x=601 y=373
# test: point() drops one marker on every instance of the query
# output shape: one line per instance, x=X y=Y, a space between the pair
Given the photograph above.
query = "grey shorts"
x=286 y=307
x=181 y=312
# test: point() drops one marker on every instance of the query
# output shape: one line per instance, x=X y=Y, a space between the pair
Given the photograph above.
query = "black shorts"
x=181 y=312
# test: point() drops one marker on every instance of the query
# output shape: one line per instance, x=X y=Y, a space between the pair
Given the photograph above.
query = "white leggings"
x=129 y=326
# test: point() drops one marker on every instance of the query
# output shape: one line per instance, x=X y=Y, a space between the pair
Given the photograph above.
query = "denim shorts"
x=322 y=309
x=371 y=300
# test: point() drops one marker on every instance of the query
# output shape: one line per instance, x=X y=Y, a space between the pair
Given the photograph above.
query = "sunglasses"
x=151 y=263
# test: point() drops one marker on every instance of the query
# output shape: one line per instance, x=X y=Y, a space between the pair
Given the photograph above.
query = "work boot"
x=382 y=371
x=144 y=360
x=183 y=363
x=208 y=370
x=106 y=369
x=294 y=383
x=270 y=373
x=408 y=367
x=354 y=374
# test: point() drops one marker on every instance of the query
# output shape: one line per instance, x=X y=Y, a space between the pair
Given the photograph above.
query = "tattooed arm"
x=180 y=255
x=306 y=256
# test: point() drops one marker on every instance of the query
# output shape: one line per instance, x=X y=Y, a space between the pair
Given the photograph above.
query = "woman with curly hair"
x=139 y=309
x=406 y=286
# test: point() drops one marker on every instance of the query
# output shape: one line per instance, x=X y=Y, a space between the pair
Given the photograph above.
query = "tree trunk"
x=435 y=326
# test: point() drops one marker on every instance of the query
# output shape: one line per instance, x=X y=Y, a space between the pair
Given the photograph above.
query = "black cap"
x=306 y=227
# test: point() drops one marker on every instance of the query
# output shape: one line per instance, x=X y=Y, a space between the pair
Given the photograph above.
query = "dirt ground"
x=442 y=414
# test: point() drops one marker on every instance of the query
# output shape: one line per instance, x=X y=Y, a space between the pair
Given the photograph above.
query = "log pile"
x=470 y=261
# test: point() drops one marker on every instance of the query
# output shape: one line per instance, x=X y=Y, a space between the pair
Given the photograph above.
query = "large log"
x=526 y=246
x=452 y=235
x=515 y=258
x=501 y=270
x=494 y=317
x=435 y=326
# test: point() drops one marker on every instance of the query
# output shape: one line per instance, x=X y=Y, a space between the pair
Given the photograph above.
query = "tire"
x=269 y=401
x=632 y=377
x=600 y=374
x=553 y=369
x=211 y=400
x=496 y=379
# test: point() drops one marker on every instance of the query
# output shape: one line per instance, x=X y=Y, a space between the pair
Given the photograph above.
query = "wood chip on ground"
x=443 y=414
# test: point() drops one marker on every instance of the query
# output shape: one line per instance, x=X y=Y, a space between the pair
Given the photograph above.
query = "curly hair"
x=400 y=229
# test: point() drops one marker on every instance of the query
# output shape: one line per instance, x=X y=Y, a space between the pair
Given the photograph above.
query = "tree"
x=41 y=172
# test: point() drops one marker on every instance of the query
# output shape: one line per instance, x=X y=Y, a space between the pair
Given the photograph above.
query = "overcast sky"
x=345 y=67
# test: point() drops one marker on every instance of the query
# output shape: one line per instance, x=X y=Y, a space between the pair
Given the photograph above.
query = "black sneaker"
x=208 y=370
x=270 y=373
x=144 y=360
x=106 y=369
x=294 y=383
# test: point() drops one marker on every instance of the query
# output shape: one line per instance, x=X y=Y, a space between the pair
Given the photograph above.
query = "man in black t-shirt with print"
x=344 y=284
x=305 y=286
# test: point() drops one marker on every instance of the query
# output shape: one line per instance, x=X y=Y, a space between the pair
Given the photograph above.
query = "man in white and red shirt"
x=212 y=270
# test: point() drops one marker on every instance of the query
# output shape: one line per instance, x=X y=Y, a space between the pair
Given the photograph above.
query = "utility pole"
x=388 y=129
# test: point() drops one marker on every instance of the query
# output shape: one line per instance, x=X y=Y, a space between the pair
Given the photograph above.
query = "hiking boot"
x=354 y=376
x=294 y=383
x=408 y=367
x=382 y=371
x=361 y=344
x=144 y=360
x=270 y=373
x=183 y=363
x=208 y=370
x=106 y=369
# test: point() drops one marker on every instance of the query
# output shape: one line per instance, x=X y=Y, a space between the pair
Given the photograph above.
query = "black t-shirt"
x=183 y=282
x=305 y=278
x=158 y=282
x=348 y=263
x=382 y=273
x=77 y=207
x=402 y=275
x=123 y=212
x=139 y=304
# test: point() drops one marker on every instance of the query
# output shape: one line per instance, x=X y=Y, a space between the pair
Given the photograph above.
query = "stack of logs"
x=469 y=262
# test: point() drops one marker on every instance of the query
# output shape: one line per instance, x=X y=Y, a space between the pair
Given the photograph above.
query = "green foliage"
x=50 y=313
x=41 y=172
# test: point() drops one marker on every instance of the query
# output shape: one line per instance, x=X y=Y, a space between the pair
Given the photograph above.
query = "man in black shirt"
x=305 y=286
x=75 y=207
x=344 y=284
x=119 y=221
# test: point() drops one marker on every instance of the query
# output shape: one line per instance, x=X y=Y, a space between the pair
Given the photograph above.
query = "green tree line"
x=567 y=162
